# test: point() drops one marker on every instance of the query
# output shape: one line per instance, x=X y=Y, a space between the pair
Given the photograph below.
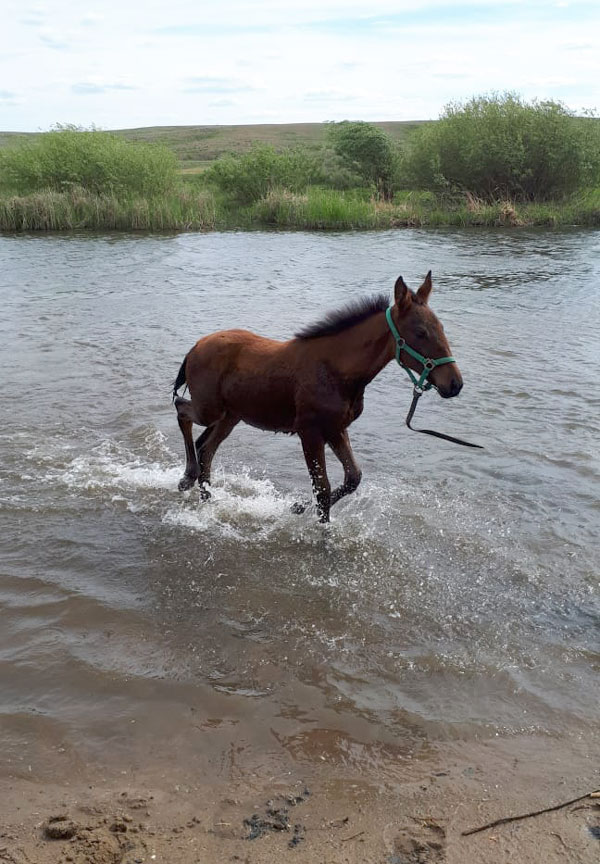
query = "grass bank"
x=331 y=209
x=183 y=210
x=193 y=207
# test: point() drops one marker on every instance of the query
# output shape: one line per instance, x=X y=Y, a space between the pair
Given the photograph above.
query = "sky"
x=127 y=63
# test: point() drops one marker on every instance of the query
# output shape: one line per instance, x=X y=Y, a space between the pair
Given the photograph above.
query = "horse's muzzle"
x=453 y=389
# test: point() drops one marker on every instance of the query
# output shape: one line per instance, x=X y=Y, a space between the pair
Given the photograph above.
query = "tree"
x=368 y=150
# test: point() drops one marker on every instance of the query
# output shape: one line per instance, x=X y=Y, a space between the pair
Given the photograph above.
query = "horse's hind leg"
x=207 y=445
x=352 y=473
x=185 y=418
x=201 y=440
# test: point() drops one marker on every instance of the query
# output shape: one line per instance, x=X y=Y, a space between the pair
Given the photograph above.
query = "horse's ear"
x=401 y=292
x=425 y=289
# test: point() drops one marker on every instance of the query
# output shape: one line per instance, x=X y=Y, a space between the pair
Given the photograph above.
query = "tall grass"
x=323 y=209
x=316 y=209
x=194 y=208
x=80 y=209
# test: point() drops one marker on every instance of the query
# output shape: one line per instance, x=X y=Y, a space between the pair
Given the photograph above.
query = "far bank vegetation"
x=494 y=160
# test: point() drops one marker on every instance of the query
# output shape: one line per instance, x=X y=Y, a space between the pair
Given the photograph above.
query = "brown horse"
x=311 y=385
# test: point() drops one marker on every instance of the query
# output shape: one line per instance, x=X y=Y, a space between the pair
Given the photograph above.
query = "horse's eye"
x=421 y=333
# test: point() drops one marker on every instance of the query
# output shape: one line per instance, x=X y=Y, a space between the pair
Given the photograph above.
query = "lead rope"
x=416 y=396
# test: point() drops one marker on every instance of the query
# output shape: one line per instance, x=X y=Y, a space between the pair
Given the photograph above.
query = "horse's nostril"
x=455 y=387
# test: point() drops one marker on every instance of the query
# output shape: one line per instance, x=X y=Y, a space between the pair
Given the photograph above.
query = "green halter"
x=428 y=365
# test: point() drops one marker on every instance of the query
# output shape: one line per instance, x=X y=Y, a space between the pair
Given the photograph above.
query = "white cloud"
x=214 y=84
x=87 y=88
x=329 y=96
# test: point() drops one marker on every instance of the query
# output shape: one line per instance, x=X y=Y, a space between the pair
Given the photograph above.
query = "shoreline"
x=199 y=209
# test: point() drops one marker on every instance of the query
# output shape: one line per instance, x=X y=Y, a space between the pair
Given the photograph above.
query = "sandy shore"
x=323 y=812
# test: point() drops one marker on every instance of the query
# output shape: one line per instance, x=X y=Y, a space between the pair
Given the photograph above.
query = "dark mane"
x=341 y=319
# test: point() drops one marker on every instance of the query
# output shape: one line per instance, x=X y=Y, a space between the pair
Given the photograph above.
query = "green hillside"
x=195 y=145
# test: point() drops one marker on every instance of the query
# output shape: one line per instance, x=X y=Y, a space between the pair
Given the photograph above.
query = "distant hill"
x=201 y=144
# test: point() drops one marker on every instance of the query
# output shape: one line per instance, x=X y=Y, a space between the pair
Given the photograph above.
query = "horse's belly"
x=271 y=407
x=265 y=425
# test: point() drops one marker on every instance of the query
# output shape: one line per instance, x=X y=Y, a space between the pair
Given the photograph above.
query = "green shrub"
x=249 y=177
x=100 y=162
x=368 y=151
x=335 y=172
x=502 y=147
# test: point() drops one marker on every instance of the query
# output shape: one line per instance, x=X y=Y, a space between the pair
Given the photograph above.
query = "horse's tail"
x=181 y=379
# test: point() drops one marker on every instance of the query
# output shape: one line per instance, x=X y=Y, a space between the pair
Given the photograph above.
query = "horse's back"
x=229 y=347
x=239 y=372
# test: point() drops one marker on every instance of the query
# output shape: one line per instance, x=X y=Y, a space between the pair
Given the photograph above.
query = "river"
x=454 y=597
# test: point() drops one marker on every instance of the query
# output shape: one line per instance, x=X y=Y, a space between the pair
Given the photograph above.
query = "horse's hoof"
x=186 y=483
x=299 y=507
x=204 y=493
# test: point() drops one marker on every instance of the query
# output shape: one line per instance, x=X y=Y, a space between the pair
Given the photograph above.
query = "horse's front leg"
x=313 y=445
x=352 y=473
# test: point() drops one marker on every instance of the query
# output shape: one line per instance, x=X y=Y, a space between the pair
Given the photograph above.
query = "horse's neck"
x=362 y=351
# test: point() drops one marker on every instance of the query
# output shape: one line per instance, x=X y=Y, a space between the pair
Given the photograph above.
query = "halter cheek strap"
x=428 y=364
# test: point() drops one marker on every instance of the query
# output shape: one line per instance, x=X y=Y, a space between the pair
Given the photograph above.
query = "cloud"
x=222 y=103
x=52 y=40
x=439 y=15
x=33 y=19
x=580 y=46
x=7 y=97
x=91 y=19
x=213 y=28
x=329 y=96
x=90 y=88
x=451 y=76
x=210 y=84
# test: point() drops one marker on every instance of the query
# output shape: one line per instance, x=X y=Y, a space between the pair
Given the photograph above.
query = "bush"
x=335 y=172
x=251 y=176
x=99 y=162
x=368 y=151
x=502 y=147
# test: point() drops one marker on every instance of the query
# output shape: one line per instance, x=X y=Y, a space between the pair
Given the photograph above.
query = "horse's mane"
x=341 y=319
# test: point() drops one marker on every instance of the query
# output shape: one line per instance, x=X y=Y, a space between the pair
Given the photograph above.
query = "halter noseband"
x=428 y=365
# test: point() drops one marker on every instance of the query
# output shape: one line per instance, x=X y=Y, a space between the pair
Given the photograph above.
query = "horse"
x=312 y=385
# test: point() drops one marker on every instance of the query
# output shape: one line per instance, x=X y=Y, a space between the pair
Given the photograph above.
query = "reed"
x=78 y=208
x=193 y=206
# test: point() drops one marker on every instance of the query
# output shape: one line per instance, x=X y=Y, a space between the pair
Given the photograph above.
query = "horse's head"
x=424 y=333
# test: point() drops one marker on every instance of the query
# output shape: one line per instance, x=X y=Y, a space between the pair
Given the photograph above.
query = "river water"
x=453 y=597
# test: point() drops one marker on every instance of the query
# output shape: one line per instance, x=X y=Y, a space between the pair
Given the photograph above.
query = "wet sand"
x=216 y=802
